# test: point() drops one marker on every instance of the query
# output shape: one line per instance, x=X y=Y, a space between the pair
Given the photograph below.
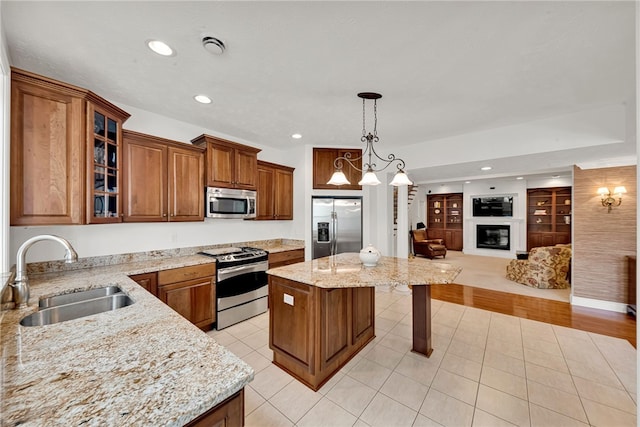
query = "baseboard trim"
x=618 y=307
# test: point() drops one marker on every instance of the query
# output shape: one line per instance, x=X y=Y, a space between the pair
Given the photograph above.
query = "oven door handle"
x=228 y=272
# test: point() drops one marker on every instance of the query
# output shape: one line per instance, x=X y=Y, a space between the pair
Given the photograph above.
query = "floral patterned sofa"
x=546 y=268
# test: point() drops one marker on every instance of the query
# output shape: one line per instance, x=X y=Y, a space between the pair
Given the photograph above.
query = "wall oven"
x=241 y=284
x=229 y=203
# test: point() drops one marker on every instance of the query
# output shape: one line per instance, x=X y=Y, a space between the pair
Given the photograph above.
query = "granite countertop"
x=346 y=270
x=278 y=246
x=139 y=365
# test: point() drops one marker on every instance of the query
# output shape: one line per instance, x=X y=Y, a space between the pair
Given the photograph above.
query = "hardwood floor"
x=603 y=322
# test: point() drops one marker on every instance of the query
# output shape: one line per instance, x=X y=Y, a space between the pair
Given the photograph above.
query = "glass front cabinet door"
x=104 y=202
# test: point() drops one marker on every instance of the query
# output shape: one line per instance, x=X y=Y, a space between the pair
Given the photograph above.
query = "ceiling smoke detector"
x=213 y=45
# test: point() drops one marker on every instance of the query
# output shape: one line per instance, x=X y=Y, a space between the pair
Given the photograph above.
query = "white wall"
x=107 y=239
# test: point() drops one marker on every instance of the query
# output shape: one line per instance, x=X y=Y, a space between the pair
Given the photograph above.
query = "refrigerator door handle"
x=334 y=241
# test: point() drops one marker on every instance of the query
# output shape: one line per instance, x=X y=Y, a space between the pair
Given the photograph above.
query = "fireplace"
x=493 y=237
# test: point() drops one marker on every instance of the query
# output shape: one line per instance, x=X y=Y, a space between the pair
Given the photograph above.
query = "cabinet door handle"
x=164 y=215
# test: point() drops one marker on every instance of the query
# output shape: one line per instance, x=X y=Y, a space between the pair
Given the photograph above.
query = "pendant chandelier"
x=370 y=168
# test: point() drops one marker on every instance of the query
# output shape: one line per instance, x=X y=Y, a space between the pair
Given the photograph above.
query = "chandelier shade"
x=370 y=167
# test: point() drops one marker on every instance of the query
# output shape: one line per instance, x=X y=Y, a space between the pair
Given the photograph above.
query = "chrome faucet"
x=21 y=283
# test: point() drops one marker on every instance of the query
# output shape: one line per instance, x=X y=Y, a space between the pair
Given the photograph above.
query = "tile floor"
x=487 y=369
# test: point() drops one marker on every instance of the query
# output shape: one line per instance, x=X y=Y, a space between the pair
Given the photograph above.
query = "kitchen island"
x=322 y=312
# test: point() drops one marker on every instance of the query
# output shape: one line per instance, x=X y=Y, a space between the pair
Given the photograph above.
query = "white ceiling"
x=444 y=68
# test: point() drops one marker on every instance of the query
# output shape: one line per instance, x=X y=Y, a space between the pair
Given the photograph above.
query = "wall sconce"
x=608 y=200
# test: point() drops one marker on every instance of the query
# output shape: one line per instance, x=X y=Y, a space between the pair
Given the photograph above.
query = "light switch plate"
x=288 y=299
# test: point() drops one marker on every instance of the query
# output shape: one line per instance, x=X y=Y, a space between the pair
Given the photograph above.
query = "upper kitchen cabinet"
x=164 y=180
x=229 y=165
x=323 y=168
x=275 y=191
x=65 y=153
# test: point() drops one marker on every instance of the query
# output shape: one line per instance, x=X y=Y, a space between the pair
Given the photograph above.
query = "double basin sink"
x=60 y=308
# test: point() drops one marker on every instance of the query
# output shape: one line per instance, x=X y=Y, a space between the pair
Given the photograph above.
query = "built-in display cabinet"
x=548 y=216
x=444 y=219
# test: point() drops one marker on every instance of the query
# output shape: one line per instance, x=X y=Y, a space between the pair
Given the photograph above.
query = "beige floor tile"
x=257 y=361
x=511 y=348
x=485 y=419
x=261 y=320
x=472 y=337
x=257 y=339
x=504 y=381
x=360 y=423
x=503 y=405
x=463 y=349
x=602 y=374
x=505 y=363
x=351 y=395
x=550 y=378
x=370 y=373
x=266 y=416
x=270 y=380
x=384 y=412
x=446 y=410
x=568 y=404
x=532 y=329
x=391 y=315
x=557 y=363
x=605 y=395
x=441 y=329
x=239 y=348
x=421 y=370
x=513 y=336
x=266 y=352
x=629 y=379
x=332 y=382
x=455 y=386
x=222 y=337
x=602 y=415
x=242 y=329
x=422 y=421
x=564 y=332
x=251 y=400
x=402 y=330
x=294 y=400
x=383 y=324
x=461 y=366
x=327 y=414
x=384 y=356
x=405 y=390
x=396 y=342
x=551 y=348
x=543 y=417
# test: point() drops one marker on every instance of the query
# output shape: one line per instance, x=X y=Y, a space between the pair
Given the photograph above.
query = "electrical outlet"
x=288 y=299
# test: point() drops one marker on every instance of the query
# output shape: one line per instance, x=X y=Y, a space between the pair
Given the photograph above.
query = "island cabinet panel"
x=229 y=413
x=313 y=331
x=335 y=328
x=290 y=307
x=190 y=291
x=363 y=314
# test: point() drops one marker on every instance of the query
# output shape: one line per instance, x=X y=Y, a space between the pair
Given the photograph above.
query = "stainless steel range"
x=241 y=283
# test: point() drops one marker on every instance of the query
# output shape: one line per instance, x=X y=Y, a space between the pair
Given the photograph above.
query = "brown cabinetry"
x=278 y=259
x=149 y=281
x=444 y=219
x=164 y=180
x=275 y=191
x=65 y=153
x=190 y=291
x=548 y=216
x=229 y=413
x=315 y=331
x=228 y=164
x=323 y=168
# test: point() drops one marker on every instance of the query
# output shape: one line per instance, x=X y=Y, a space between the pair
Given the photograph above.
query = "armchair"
x=430 y=248
x=546 y=268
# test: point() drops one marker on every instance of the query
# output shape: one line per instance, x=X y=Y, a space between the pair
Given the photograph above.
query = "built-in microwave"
x=230 y=203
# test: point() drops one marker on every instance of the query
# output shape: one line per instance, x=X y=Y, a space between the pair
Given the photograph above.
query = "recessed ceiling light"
x=520 y=177
x=555 y=176
x=213 y=45
x=485 y=168
x=296 y=136
x=159 y=47
x=203 y=99
x=467 y=182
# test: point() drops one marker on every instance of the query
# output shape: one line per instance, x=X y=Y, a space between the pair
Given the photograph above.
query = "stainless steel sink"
x=70 y=298
x=75 y=310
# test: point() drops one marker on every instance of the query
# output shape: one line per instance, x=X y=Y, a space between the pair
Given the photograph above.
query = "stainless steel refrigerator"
x=337 y=225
